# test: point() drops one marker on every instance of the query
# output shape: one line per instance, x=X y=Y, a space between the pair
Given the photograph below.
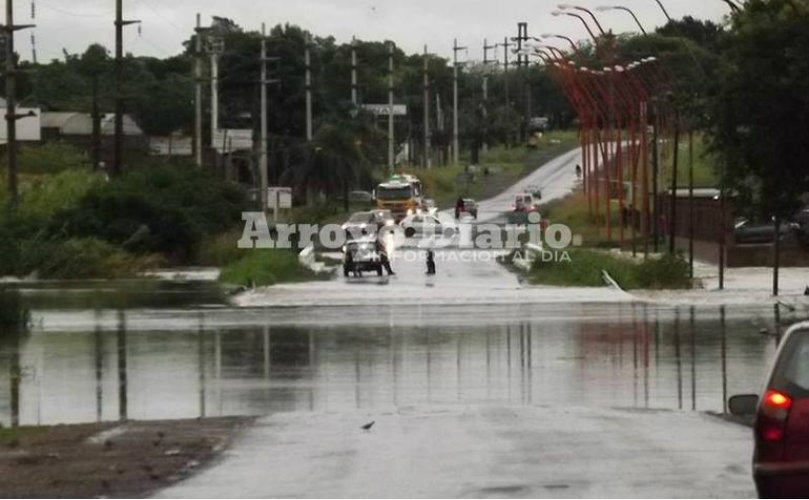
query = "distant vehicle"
x=383 y=218
x=746 y=232
x=360 y=256
x=524 y=203
x=401 y=194
x=539 y=124
x=430 y=206
x=363 y=198
x=361 y=224
x=470 y=206
x=781 y=426
x=422 y=224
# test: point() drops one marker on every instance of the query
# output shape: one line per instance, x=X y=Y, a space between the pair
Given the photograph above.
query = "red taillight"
x=775 y=400
x=773 y=415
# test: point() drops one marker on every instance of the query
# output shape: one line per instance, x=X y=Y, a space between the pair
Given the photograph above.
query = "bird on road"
x=367 y=427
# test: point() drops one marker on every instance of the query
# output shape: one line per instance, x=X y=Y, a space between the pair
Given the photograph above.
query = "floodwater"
x=183 y=353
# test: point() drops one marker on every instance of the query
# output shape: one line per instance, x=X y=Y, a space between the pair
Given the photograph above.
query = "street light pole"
x=625 y=9
x=663 y=8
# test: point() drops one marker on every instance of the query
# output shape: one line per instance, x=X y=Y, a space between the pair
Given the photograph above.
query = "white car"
x=425 y=225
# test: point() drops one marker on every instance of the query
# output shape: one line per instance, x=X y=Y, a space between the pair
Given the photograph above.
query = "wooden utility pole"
x=427 y=160
x=96 y=117
x=308 y=83
x=117 y=162
x=354 y=94
x=198 y=93
x=391 y=142
x=11 y=105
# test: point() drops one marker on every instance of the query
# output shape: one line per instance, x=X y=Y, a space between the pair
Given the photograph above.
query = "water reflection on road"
x=621 y=355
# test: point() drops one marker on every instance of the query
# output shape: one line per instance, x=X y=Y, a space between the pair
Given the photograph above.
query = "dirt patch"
x=129 y=459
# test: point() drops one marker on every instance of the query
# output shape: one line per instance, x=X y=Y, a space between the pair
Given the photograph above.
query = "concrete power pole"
x=262 y=158
x=198 y=94
x=506 y=45
x=263 y=163
x=391 y=143
x=455 y=149
x=308 y=83
x=427 y=159
x=213 y=48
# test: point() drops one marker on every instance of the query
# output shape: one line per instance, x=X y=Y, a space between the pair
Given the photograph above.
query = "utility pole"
x=427 y=160
x=308 y=83
x=455 y=50
x=262 y=158
x=11 y=104
x=215 y=47
x=354 y=99
x=119 y=77
x=486 y=61
x=506 y=46
x=96 y=116
x=391 y=158
x=198 y=93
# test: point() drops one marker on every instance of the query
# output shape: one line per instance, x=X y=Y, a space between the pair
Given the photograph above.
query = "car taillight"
x=773 y=415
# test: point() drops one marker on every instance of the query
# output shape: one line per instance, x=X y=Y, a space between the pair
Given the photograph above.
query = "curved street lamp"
x=605 y=8
x=665 y=12
x=580 y=18
x=561 y=37
x=567 y=6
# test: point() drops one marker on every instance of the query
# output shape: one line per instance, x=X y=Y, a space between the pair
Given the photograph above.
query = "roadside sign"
x=384 y=109
x=279 y=197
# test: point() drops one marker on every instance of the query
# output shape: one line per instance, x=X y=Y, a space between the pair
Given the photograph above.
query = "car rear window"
x=792 y=369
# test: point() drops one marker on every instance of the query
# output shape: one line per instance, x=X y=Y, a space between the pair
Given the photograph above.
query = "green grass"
x=585 y=266
x=705 y=170
x=263 y=267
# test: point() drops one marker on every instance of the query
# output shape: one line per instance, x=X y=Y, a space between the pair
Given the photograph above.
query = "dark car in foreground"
x=781 y=425
x=361 y=255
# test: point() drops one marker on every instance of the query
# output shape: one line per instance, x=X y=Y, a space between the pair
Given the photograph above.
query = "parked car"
x=427 y=225
x=470 y=206
x=746 y=232
x=781 y=426
x=361 y=255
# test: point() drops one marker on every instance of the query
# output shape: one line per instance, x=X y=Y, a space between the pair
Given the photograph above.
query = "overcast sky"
x=73 y=24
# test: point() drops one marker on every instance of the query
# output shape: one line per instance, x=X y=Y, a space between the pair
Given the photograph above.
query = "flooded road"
x=188 y=362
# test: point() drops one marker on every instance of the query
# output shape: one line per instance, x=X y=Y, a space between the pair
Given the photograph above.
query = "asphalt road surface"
x=483 y=451
x=570 y=436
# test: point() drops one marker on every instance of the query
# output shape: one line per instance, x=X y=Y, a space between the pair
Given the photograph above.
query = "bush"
x=585 y=269
x=86 y=259
x=221 y=249
x=165 y=209
x=265 y=267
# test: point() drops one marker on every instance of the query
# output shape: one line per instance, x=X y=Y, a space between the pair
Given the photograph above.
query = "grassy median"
x=584 y=268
